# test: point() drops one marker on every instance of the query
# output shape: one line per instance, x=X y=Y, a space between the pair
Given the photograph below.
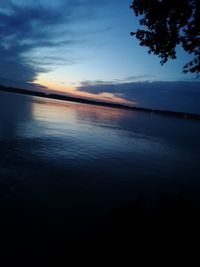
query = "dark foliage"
x=168 y=23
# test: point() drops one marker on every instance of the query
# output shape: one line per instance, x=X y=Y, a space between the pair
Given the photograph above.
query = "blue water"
x=64 y=167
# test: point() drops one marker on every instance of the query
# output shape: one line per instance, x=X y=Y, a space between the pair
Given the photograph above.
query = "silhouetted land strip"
x=100 y=103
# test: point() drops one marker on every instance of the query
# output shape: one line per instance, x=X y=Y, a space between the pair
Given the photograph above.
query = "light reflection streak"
x=67 y=112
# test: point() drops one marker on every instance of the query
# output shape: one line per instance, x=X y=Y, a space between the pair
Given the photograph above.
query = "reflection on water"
x=66 y=165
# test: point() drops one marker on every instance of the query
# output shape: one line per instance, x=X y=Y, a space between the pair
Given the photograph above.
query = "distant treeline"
x=100 y=103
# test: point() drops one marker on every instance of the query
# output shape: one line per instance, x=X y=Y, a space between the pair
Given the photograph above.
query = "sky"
x=84 y=48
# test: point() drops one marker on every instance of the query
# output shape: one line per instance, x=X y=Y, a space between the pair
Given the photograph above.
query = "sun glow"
x=71 y=90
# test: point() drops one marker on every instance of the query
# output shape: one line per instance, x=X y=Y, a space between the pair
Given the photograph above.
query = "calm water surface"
x=66 y=166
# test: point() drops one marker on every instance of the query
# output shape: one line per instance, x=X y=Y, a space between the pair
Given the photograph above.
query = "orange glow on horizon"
x=72 y=91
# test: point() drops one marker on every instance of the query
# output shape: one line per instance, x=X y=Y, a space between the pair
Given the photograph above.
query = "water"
x=65 y=167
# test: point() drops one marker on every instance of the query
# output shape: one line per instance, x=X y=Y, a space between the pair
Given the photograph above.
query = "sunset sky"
x=84 y=48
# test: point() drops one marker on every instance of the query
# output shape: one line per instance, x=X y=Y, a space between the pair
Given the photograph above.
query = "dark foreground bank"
x=131 y=233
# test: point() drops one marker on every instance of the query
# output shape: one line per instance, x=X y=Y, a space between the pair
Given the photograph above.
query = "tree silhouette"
x=168 y=23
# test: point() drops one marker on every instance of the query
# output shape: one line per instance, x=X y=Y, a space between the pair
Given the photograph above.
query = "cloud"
x=174 y=95
x=139 y=77
x=33 y=33
x=23 y=29
x=116 y=82
x=22 y=85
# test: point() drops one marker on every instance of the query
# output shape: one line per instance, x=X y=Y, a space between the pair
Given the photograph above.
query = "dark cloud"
x=174 y=95
x=12 y=66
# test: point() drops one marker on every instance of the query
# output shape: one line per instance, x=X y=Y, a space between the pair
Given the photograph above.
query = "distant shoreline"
x=182 y=115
